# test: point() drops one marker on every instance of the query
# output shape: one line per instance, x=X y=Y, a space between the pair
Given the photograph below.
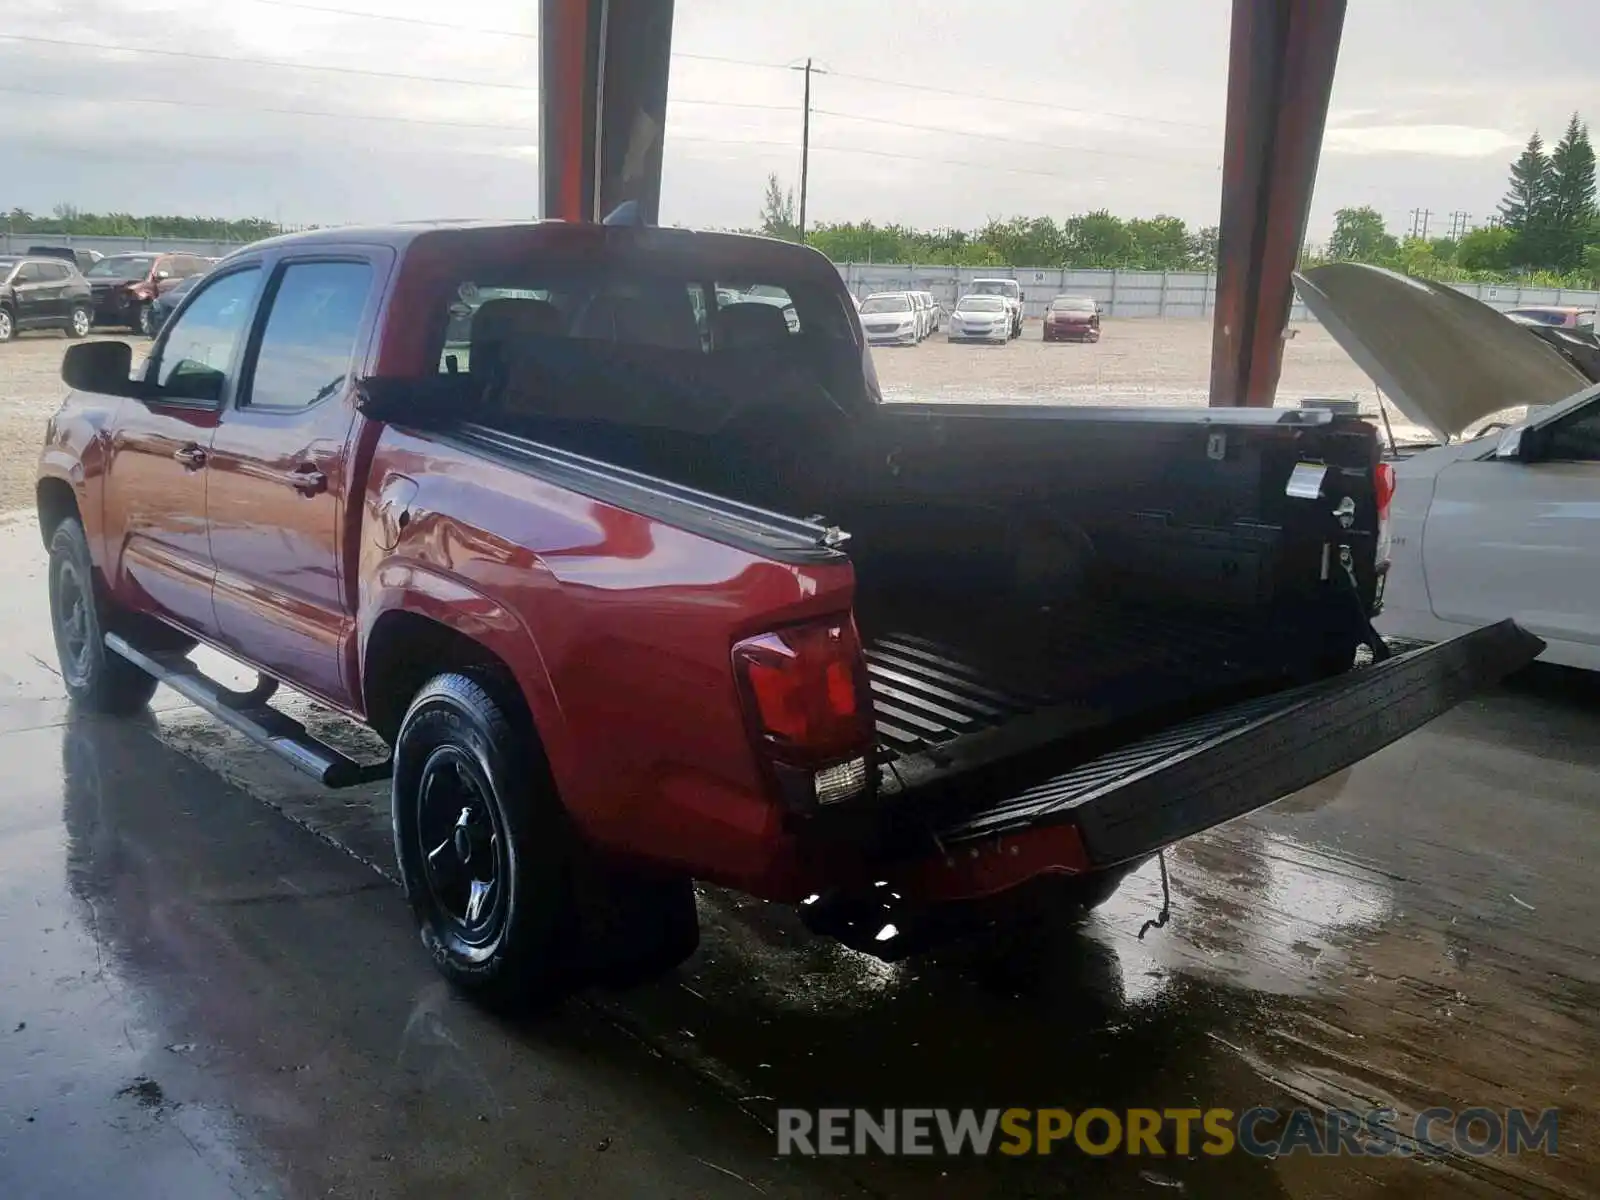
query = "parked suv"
x=126 y=285
x=82 y=259
x=43 y=293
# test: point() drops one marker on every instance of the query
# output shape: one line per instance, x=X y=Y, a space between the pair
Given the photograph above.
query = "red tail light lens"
x=807 y=693
x=1383 y=479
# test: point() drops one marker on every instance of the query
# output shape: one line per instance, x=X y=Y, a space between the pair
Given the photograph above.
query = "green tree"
x=1203 y=248
x=1159 y=243
x=1487 y=249
x=1097 y=239
x=1359 y=235
x=1526 y=208
x=1572 y=197
x=777 y=212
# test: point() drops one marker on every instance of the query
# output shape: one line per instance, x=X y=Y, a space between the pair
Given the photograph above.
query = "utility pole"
x=805 y=141
x=1458 y=224
x=1419 y=221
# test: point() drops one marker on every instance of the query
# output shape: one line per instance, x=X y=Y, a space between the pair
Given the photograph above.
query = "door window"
x=30 y=273
x=310 y=335
x=1576 y=439
x=197 y=353
x=53 y=272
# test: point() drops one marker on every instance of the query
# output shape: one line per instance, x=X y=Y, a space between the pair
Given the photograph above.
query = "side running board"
x=251 y=715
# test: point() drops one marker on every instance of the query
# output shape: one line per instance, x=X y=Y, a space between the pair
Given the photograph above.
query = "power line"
x=281 y=64
x=1091 y=112
x=274 y=111
x=344 y=116
x=745 y=62
x=989 y=137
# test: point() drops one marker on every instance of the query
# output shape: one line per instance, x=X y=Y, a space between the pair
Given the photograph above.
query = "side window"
x=52 y=272
x=1576 y=439
x=199 y=346
x=29 y=273
x=310 y=334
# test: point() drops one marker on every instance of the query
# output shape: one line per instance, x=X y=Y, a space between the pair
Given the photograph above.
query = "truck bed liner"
x=1109 y=659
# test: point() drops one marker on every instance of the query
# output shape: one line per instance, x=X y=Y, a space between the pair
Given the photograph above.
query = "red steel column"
x=602 y=105
x=1280 y=74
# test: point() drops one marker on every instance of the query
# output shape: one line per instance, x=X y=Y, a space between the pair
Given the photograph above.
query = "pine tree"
x=1526 y=208
x=1572 y=196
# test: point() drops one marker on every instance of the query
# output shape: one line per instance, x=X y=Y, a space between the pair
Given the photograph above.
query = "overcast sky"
x=1115 y=105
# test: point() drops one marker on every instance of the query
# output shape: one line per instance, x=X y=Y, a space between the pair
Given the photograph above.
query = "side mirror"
x=102 y=368
x=1519 y=444
x=163 y=274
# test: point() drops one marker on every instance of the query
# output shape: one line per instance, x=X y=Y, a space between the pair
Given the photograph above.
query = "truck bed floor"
x=938 y=678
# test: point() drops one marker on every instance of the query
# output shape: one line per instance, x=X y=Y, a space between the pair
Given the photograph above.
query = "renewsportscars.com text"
x=1260 y=1132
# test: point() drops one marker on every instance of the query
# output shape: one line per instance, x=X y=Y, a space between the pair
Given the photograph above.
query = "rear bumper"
x=1130 y=802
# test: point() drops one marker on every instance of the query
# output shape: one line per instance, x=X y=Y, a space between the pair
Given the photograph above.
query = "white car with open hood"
x=1502 y=523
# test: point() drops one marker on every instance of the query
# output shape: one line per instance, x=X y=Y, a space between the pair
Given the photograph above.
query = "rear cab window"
x=636 y=338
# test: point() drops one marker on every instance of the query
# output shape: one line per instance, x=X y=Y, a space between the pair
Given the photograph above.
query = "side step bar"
x=249 y=714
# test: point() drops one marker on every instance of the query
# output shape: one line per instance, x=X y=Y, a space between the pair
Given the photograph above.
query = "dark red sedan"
x=1072 y=318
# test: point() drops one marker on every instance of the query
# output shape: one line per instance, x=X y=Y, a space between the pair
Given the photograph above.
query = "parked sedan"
x=42 y=293
x=1560 y=316
x=1500 y=521
x=1072 y=318
x=891 y=319
x=981 y=319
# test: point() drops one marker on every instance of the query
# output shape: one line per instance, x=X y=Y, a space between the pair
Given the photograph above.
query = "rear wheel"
x=482 y=845
x=80 y=321
x=94 y=677
x=8 y=325
x=144 y=320
x=512 y=907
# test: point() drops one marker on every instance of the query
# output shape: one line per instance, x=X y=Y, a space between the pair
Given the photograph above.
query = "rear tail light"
x=806 y=692
x=1383 y=479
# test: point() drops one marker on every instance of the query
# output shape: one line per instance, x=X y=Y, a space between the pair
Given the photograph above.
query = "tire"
x=490 y=885
x=557 y=914
x=8 y=325
x=144 y=320
x=95 y=678
x=79 y=321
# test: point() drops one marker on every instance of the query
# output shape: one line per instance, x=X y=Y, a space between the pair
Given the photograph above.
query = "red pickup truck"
x=643 y=583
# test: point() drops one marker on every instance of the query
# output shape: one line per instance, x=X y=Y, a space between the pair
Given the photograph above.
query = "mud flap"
x=1137 y=799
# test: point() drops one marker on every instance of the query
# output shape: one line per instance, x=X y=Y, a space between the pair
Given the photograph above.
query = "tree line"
x=1547 y=233
x=1095 y=239
x=68 y=220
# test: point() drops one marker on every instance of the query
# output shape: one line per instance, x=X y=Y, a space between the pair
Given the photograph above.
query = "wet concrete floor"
x=209 y=986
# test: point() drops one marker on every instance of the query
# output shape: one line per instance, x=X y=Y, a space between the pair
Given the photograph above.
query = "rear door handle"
x=308 y=480
x=192 y=457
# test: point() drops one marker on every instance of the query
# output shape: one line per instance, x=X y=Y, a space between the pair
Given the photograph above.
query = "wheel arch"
x=57 y=500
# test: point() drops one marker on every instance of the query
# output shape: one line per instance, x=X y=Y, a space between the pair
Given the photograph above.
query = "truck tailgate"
x=1133 y=800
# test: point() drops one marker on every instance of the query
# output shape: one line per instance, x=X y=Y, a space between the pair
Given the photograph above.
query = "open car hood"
x=1445 y=359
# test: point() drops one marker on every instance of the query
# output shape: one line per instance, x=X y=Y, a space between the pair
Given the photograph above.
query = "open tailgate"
x=1140 y=797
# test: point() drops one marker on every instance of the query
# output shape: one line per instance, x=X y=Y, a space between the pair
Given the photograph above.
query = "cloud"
x=1123 y=104
x=1439 y=141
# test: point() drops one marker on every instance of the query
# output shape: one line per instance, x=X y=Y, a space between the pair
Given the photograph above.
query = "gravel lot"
x=1135 y=362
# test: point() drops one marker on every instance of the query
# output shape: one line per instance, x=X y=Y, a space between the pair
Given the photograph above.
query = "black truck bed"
x=936 y=679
